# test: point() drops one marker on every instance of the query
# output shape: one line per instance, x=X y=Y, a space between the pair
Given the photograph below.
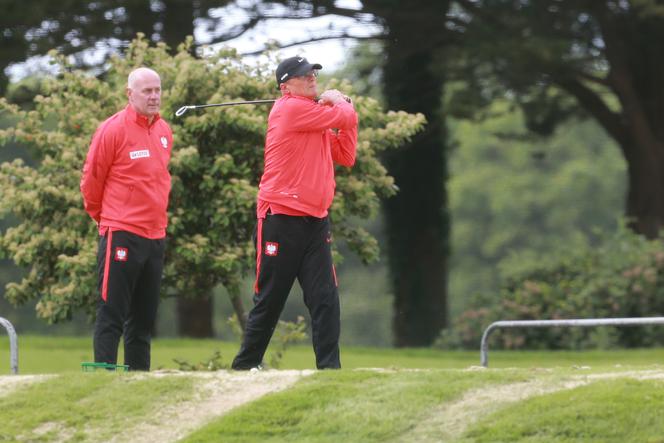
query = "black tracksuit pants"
x=290 y=247
x=129 y=269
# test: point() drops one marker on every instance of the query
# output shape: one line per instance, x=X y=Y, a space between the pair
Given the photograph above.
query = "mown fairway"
x=49 y=355
x=381 y=395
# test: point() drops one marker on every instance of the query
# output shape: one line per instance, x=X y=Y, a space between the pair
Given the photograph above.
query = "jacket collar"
x=140 y=119
x=301 y=97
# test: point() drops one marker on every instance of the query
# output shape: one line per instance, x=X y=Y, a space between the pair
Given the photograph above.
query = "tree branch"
x=316 y=39
x=622 y=82
x=592 y=103
x=594 y=79
x=318 y=9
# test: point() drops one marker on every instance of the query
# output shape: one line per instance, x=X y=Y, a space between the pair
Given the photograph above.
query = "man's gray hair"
x=133 y=75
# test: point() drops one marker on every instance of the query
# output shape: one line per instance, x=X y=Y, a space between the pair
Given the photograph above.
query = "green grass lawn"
x=69 y=406
x=418 y=395
x=356 y=406
x=347 y=406
x=48 y=355
x=622 y=410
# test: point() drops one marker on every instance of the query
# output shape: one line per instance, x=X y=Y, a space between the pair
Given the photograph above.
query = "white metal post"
x=585 y=322
x=13 y=344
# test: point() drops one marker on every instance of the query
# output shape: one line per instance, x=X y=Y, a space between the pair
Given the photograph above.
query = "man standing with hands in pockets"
x=304 y=139
x=125 y=187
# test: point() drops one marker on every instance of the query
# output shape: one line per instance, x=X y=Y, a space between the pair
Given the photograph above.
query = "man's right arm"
x=95 y=170
x=307 y=115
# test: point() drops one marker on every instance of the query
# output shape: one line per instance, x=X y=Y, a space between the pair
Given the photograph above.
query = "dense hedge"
x=620 y=276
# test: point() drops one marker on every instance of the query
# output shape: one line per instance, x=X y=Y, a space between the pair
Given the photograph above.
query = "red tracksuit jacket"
x=125 y=182
x=300 y=148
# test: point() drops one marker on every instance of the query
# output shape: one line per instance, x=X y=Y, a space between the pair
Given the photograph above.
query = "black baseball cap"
x=294 y=67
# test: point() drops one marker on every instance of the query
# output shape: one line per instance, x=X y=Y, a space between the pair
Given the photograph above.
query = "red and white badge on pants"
x=121 y=254
x=271 y=248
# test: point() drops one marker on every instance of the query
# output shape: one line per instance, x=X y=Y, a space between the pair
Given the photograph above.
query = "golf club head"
x=182 y=110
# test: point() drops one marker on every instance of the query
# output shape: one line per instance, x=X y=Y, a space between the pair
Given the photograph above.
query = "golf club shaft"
x=184 y=109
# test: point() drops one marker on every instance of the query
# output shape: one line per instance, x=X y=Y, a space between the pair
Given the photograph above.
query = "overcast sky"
x=329 y=53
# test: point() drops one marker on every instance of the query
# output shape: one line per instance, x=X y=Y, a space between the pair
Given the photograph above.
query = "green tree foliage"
x=511 y=191
x=418 y=245
x=516 y=198
x=364 y=68
x=73 y=27
x=622 y=276
x=555 y=58
x=561 y=59
x=216 y=164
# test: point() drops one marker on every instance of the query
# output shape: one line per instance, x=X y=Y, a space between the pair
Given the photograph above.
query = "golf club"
x=184 y=109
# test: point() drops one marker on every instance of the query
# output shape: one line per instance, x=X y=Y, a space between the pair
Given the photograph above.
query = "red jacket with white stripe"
x=125 y=182
x=300 y=148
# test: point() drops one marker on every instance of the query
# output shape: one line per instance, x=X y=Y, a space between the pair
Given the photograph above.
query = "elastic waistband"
x=307 y=218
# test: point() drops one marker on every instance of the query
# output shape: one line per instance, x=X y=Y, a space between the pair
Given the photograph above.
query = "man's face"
x=303 y=86
x=145 y=93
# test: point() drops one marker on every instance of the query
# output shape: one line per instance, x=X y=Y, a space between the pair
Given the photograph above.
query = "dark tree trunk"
x=178 y=23
x=633 y=51
x=417 y=217
x=238 y=307
x=642 y=145
x=194 y=316
x=645 y=191
x=633 y=48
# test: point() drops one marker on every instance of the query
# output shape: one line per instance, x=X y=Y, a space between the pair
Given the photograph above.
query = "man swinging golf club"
x=304 y=139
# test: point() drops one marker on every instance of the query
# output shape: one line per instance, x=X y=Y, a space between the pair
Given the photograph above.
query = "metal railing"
x=13 y=345
x=630 y=321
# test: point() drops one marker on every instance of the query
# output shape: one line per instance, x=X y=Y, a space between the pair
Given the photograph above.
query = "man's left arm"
x=343 y=141
x=343 y=145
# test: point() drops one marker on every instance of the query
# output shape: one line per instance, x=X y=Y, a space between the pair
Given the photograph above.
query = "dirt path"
x=448 y=421
x=216 y=394
x=10 y=382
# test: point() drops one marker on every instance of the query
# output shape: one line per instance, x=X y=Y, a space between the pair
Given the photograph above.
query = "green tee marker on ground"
x=91 y=367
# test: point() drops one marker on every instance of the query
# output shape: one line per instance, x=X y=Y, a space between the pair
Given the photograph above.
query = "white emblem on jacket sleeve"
x=164 y=142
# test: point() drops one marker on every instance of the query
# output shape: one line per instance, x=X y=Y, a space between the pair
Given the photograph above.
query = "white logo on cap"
x=284 y=76
x=299 y=60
